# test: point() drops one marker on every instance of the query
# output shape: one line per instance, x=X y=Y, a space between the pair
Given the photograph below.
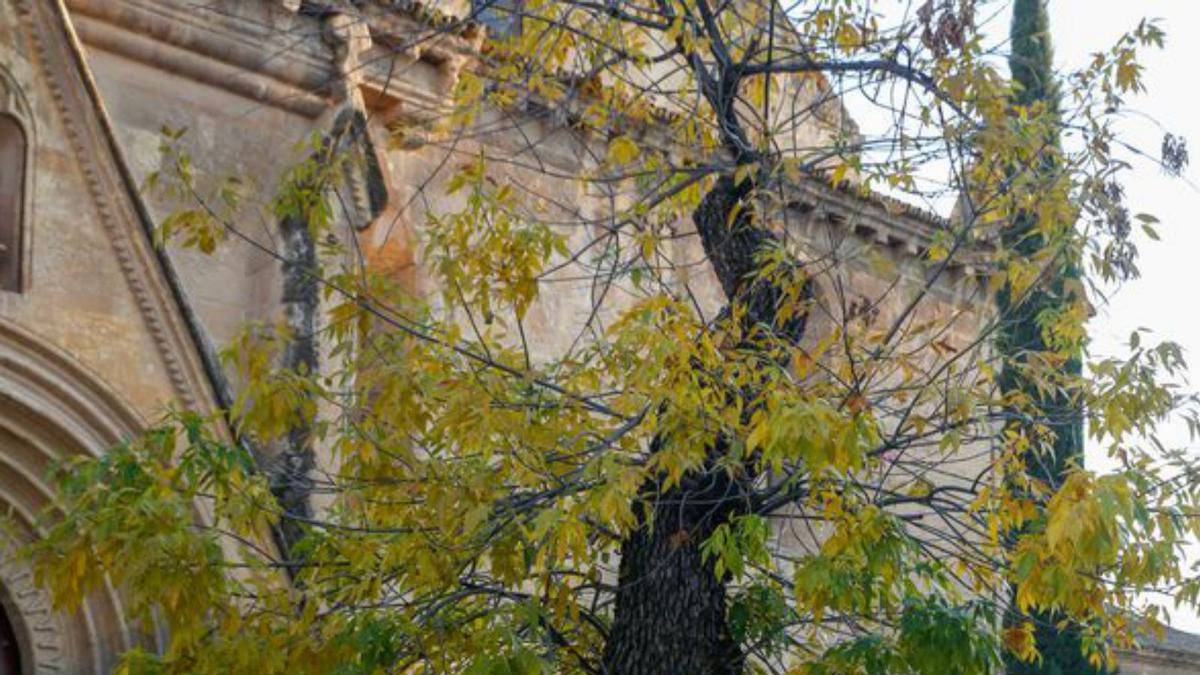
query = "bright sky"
x=1166 y=298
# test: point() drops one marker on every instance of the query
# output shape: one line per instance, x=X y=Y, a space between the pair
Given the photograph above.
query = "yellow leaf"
x=623 y=150
x=1019 y=640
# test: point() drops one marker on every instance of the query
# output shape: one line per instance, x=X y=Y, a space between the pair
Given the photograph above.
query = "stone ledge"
x=266 y=59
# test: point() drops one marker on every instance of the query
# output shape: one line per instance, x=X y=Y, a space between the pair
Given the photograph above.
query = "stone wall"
x=92 y=348
x=97 y=343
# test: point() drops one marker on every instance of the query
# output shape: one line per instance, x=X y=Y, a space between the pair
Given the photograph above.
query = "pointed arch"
x=50 y=407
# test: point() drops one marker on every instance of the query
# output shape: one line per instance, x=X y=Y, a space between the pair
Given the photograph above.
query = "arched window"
x=12 y=201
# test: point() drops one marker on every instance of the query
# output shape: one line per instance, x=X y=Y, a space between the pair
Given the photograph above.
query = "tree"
x=801 y=471
x=1058 y=292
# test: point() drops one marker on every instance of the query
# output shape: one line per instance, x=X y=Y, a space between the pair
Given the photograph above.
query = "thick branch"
x=735 y=244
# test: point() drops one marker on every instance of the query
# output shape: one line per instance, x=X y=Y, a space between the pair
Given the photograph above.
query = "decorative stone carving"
x=350 y=38
x=52 y=405
x=60 y=59
x=40 y=631
x=12 y=99
x=350 y=129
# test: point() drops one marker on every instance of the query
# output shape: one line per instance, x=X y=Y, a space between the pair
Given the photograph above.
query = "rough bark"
x=670 y=612
x=670 y=615
x=733 y=242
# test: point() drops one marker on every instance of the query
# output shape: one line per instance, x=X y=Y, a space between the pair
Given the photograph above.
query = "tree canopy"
x=775 y=439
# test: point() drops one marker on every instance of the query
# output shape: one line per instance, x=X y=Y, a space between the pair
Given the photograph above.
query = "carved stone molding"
x=41 y=633
x=407 y=74
x=51 y=406
x=57 y=57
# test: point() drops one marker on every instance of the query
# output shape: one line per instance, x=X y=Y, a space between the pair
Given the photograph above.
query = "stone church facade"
x=101 y=329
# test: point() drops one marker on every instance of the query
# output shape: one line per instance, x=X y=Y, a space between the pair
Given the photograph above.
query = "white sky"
x=1166 y=298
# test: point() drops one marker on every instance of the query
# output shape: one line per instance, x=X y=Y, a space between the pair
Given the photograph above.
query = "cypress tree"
x=1021 y=334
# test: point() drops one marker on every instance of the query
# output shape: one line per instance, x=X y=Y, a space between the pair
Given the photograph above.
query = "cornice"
x=407 y=76
x=1161 y=656
x=884 y=222
x=279 y=58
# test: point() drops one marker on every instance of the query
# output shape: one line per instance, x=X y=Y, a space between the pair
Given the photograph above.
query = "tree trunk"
x=670 y=613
